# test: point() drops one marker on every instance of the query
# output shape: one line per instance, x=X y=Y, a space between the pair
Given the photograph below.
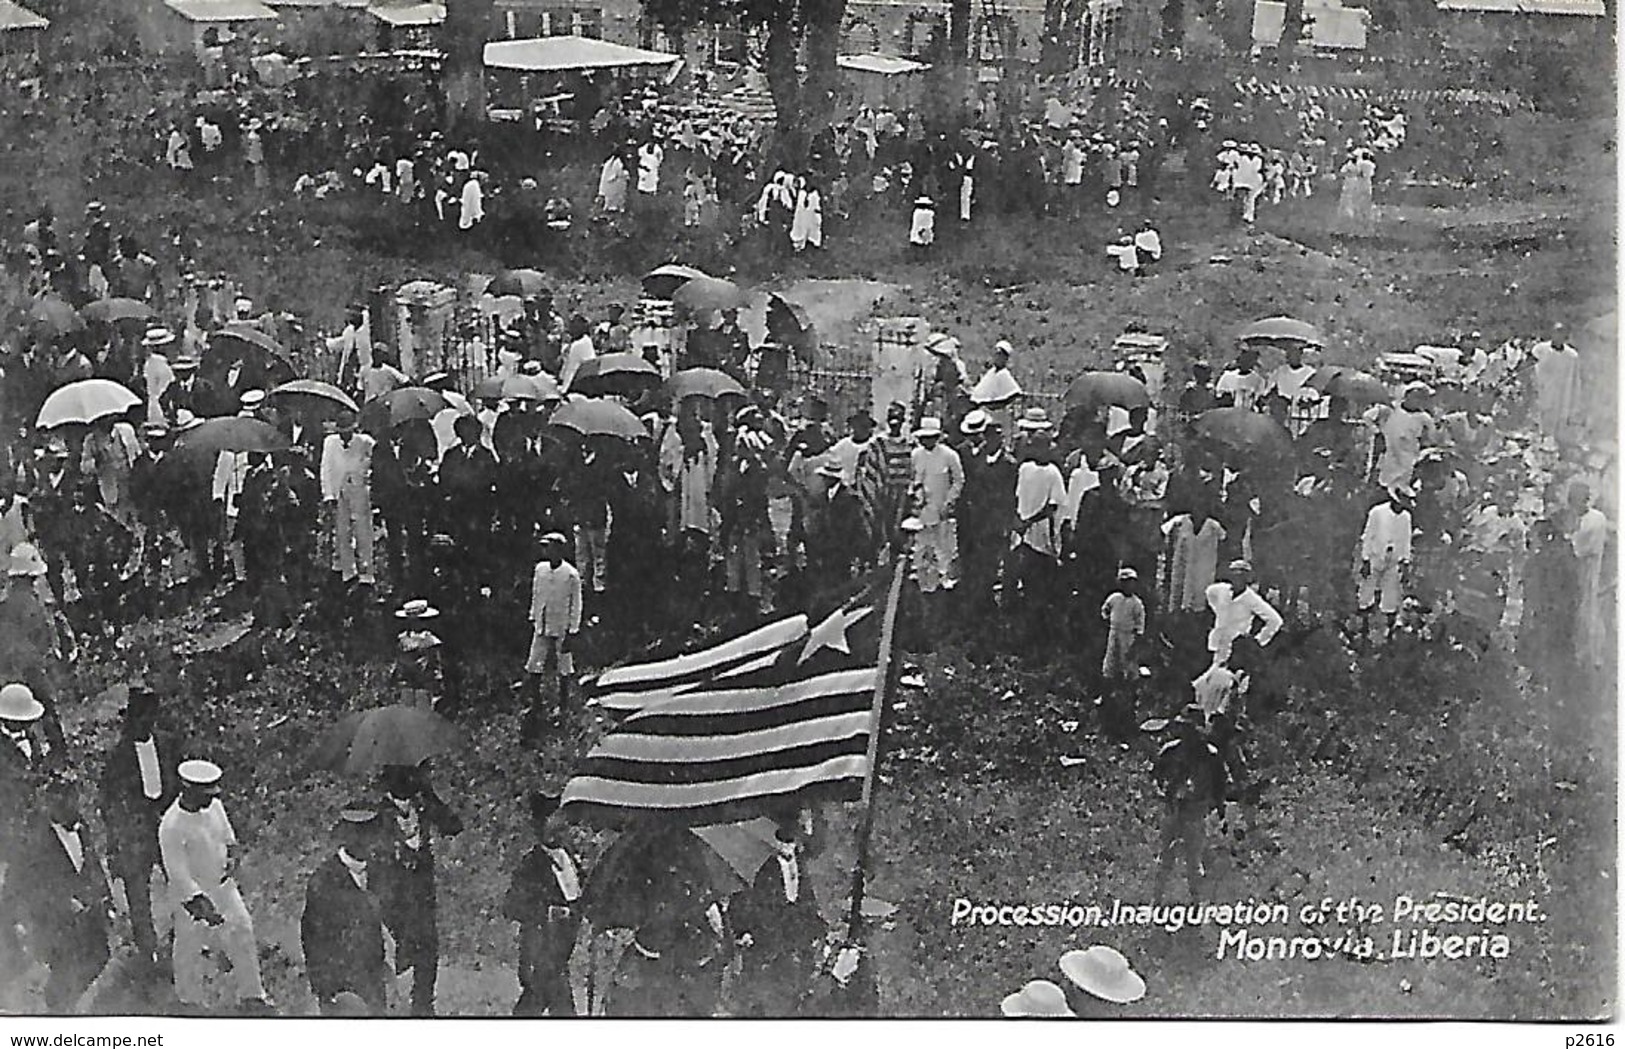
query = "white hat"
x=17 y=703
x=1004 y=344
x=930 y=426
x=1034 y=419
x=924 y=202
x=1038 y=998
x=25 y=561
x=940 y=344
x=157 y=337
x=251 y=398
x=199 y=772
x=1113 y=198
x=975 y=422
x=417 y=608
x=1104 y=973
x=1125 y=574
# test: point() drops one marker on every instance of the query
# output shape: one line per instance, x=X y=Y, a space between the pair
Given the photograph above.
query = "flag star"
x=831 y=633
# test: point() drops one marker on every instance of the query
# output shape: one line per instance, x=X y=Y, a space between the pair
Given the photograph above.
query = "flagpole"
x=883 y=667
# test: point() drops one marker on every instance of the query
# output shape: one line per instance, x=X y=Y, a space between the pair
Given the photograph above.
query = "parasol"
x=1241 y=430
x=590 y=418
x=656 y=866
x=789 y=324
x=621 y=373
x=50 y=311
x=84 y=402
x=1283 y=329
x=519 y=388
x=1351 y=384
x=1094 y=389
x=265 y=363
x=313 y=396
x=663 y=281
x=709 y=293
x=703 y=382
x=525 y=283
x=995 y=389
x=109 y=311
x=200 y=446
x=399 y=406
x=367 y=740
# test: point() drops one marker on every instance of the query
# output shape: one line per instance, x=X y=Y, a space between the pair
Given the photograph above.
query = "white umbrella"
x=85 y=402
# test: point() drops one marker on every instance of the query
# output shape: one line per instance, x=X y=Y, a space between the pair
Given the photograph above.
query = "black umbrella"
x=627 y=374
x=789 y=324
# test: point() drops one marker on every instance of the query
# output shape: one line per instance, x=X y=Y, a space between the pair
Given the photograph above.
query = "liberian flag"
x=781 y=715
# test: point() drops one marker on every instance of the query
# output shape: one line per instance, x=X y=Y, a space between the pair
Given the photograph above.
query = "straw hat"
x=930 y=426
x=1034 y=420
x=975 y=422
x=417 y=608
x=1104 y=973
x=17 y=703
x=198 y=772
x=1040 y=998
x=157 y=337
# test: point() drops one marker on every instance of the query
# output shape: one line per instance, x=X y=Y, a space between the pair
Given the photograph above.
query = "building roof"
x=221 y=10
x=309 y=4
x=16 y=16
x=885 y=65
x=1584 y=8
x=563 y=53
x=410 y=14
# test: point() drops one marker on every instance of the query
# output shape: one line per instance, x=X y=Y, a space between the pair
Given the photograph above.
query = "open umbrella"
x=1283 y=329
x=84 y=402
x=703 y=382
x=1094 y=389
x=790 y=324
x=399 y=406
x=366 y=741
x=662 y=281
x=265 y=363
x=313 y=396
x=651 y=866
x=524 y=283
x=54 y=314
x=743 y=846
x=623 y=373
x=201 y=445
x=709 y=293
x=109 y=311
x=1241 y=430
x=1351 y=384
x=595 y=418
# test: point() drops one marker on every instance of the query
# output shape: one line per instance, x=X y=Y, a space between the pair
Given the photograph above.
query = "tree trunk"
x=467 y=22
x=779 y=64
x=960 y=64
x=821 y=21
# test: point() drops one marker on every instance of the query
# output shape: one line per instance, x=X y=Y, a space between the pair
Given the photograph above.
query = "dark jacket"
x=342 y=934
x=130 y=816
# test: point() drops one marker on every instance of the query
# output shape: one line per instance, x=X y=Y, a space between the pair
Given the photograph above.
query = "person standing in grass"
x=555 y=619
x=1124 y=613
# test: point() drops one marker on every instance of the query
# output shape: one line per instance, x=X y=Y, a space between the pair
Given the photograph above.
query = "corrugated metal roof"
x=409 y=14
x=16 y=16
x=558 y=53
x=1581 y=8
x=220 y=10
x=307 y=4
x=885 y=65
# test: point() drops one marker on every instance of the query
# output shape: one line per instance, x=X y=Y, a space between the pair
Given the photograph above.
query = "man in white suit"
x=347 y=492
x=199 y=850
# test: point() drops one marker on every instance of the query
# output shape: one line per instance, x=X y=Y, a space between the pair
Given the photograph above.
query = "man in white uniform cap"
x=199 y=853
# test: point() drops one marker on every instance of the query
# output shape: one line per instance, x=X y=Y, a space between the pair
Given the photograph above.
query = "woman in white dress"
x=807 y=227
x=1355 y=204
x=612 y=184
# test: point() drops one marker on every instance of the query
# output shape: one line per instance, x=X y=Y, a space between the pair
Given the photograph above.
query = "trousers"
x=234 y=938
x=934 y=556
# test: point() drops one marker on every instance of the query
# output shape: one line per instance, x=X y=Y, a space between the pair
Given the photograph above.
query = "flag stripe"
x=695 y=705
x=748 y=806
x=592 y=789
x=626 y=746
x=665 y=774
x=678 y=729
x=698 y=666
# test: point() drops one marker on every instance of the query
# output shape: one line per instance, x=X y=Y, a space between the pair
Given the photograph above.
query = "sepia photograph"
x=807 y=509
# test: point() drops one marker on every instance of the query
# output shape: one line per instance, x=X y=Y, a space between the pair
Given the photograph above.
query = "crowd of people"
x=486 y=522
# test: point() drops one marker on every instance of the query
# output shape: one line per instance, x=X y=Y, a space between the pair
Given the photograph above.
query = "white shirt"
x=650 y=155
x=1244 y=387
x=356 y=869
x=938 y=479
x=847 y=453
x=1215 y=688
x=1150 y=242
x=194 y=847
x=1233 y=616
x=1289 y=382
x=146 y=758
x=1039 y=485
x=789 y=876
x=1386 y=540
x=579 y=352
